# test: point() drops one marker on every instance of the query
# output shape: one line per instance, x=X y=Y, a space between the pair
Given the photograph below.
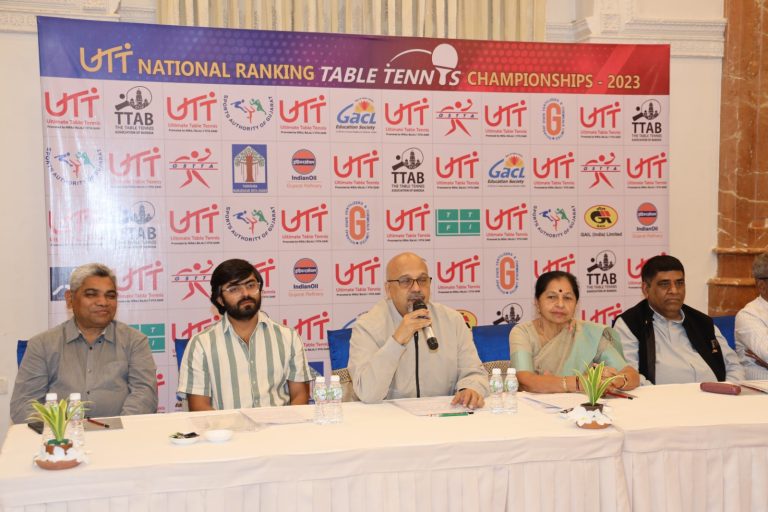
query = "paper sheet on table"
x=428 y=406
x=232 y=421
x=757 y=385
x=279 y=415
x=554 y=402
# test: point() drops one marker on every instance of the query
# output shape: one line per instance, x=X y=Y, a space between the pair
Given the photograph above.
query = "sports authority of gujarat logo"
x=554 y=221
x=507 y=272
x=357 y=222
x=601 y=216
x=358 y=115
x=248 y=113
x=249 y=168
x=250 y=224
x=459 y=115
x=647 y=214
x=510 y=170
x=445 y=60
x=74 y=167
x=553 y=119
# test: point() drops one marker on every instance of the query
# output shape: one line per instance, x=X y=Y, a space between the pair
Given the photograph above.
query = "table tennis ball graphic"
x=444 y=58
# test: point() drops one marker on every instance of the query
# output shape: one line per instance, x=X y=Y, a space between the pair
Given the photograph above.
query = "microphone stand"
x=416 y=346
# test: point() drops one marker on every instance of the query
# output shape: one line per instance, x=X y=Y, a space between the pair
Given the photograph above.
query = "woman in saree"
x=547 y=350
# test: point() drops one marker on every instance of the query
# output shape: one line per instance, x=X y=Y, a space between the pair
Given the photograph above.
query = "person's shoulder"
x=696 y=314
x=51 y=334
x=757 y=307
x=375 y=316
x=272 y=325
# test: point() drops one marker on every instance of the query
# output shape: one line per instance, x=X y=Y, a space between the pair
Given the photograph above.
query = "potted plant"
x=57 y=452
x=594 y=385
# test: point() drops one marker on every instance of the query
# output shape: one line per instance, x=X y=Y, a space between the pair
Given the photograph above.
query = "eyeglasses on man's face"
x=250 y=286
x=406 y=283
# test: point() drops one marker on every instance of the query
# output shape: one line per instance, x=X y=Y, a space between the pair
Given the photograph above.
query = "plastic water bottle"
x=334 y=413
x=497 y=390
x=510 y=391
x=76 y=428
x=321 y=400
x=51 y=399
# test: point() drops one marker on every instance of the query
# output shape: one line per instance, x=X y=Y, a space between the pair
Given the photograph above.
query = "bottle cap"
x=511 y=370
x=51 y=397
x=496 y=371
x=74 y=396
x=320 y=380
x=335 y=378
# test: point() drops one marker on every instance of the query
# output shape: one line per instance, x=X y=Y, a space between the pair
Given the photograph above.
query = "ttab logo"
x=646 y=126
x=137 y=229
x=601 y=275
x=405 y=174
x=131 y=114
x=510 y=314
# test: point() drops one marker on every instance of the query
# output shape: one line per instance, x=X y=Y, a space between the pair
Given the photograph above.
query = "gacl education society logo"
x=248 y=113
x=507 y=270
x=509 y=172
x=554 y=221
x=74 y=167
x=250 y=224
x=358 y=116
x=249 y=168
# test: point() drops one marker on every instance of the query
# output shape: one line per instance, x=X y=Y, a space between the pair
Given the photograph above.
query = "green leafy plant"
x=57 y=417
x=593 y=383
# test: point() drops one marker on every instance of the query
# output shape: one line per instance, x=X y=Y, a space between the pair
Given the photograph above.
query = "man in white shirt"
x=669 y=342
x=752 y=325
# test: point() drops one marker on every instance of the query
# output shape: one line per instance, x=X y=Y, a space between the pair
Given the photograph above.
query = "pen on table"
x=620 y=395
x=447 y=414
x=95 y=422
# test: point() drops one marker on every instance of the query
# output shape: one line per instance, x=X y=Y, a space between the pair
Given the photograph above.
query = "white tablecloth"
x=380 y=459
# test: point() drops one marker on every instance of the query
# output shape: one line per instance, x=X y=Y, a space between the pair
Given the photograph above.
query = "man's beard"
x=245 y=309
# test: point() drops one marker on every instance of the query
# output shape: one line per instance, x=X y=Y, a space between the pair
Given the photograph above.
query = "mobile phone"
x=37 y=426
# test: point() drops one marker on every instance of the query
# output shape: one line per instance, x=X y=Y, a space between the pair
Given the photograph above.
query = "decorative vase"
x=590 y=407
x=50 y=453
x=594 y=425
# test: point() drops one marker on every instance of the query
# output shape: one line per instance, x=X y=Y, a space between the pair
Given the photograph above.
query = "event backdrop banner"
x=317 y=157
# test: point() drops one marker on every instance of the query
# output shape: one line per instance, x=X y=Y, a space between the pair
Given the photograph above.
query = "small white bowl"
x=183 y=441
x=218 y=436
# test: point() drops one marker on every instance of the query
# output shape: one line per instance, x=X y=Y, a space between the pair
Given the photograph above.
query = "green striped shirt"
x=219 y=364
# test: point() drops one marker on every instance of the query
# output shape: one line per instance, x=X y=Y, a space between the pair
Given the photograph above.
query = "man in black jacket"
x=669 y=342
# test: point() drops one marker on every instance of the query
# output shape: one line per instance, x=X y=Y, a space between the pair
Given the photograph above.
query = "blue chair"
x=338 y=347
x=727 y=326
x=180 y=345
x=492 y=343
x=21 y=347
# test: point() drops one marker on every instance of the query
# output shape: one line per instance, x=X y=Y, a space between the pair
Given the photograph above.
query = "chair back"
x=492 y=343
x=180 y=345
x=21 y=347
x=727 y=326
x=338 y=347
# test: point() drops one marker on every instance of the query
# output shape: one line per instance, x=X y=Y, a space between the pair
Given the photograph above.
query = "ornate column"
x=743 y=195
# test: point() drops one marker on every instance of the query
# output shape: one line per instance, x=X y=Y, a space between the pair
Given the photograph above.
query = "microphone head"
x=419 y=304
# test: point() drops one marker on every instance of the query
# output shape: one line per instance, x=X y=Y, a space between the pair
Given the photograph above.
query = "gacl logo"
x=306 y=111
x=359 y=114
x=601 y=118
x=71 y=103
x=196 y=109
x=506 y=116
x=554 y=222
x=412 y=219
x=362 y=273
x=193 y=277
x=563 y=263
x=250 y=225
x=507 y=270
x=510 y=170
x=604 y=261
x=601 y=216
x=463 y=166
x=459 y=272
x=135 y=100
x=74 y=167
x=409 y=114
x=311 y=219
x=193 y=164
x=553 y=119
x=248 y=113
x=357 y=221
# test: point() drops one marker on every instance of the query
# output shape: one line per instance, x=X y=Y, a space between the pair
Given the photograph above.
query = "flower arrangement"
x=57 y=417
x=592 y=382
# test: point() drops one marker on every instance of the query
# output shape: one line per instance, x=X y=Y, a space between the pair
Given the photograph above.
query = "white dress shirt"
x=752 y=334
x=676 y=359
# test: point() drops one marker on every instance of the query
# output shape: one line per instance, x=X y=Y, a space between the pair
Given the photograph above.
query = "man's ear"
x=645 y=289
x=386 y=290
x=68 y=298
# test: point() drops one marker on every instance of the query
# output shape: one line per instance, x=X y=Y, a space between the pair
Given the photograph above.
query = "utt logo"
x=509 y=314
x=141 y=278
x=363 y=272
x=506 y=217
x=199 y=221
x=507 y=270
x=410 y=114
x=462 y=271
x=458 y=113
x=634 y=270
x=198 y=107
x=510 y=116
x=563 y=263
x=194 y=276
x=303 y=162
x=601 y=167
x=360 y=112
x=553 y=119
x=193 y=164
x=74 y=101
x=511 y=167
x=650 y=168
x=135 y=163
x=110 y=55
x=643 y=122
x=647 y=214
x=557 y=167
x=603 y=316
x=265 y=268
x=309 y=110
x=305 y=270
x=362 y=165
x=413 y=219
x=357 y=221
x=137 y=99
x=311 y=219
x=75 y=226
x=462 y=165
x=184 y=332
x=601 y=216
x=308 y=327
x=601 y=117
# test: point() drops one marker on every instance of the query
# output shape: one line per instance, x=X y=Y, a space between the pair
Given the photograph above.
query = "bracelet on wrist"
x=565 y=385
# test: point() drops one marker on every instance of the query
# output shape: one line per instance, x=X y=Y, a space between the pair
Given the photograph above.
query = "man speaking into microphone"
x=389 y=354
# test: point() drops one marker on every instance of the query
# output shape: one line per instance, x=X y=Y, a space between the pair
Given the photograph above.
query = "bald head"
x=404 y=266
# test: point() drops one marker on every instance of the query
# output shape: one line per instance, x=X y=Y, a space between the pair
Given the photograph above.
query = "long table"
x=674 y=448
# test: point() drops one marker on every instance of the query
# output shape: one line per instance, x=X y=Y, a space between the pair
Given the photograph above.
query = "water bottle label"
x=320 y=395
x=496 y=387
x=336 y=394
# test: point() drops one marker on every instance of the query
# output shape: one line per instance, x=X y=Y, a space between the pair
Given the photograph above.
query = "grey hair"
x=83 y=272
x=760 y=266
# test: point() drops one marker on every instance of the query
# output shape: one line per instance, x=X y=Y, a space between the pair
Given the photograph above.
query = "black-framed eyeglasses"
x=406 y=283
x=250 y=286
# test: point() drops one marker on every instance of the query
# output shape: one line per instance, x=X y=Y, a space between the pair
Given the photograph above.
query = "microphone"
x=428 y=333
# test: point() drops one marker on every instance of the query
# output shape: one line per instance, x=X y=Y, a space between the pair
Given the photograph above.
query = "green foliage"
x=56 y=416
x=593 y=383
